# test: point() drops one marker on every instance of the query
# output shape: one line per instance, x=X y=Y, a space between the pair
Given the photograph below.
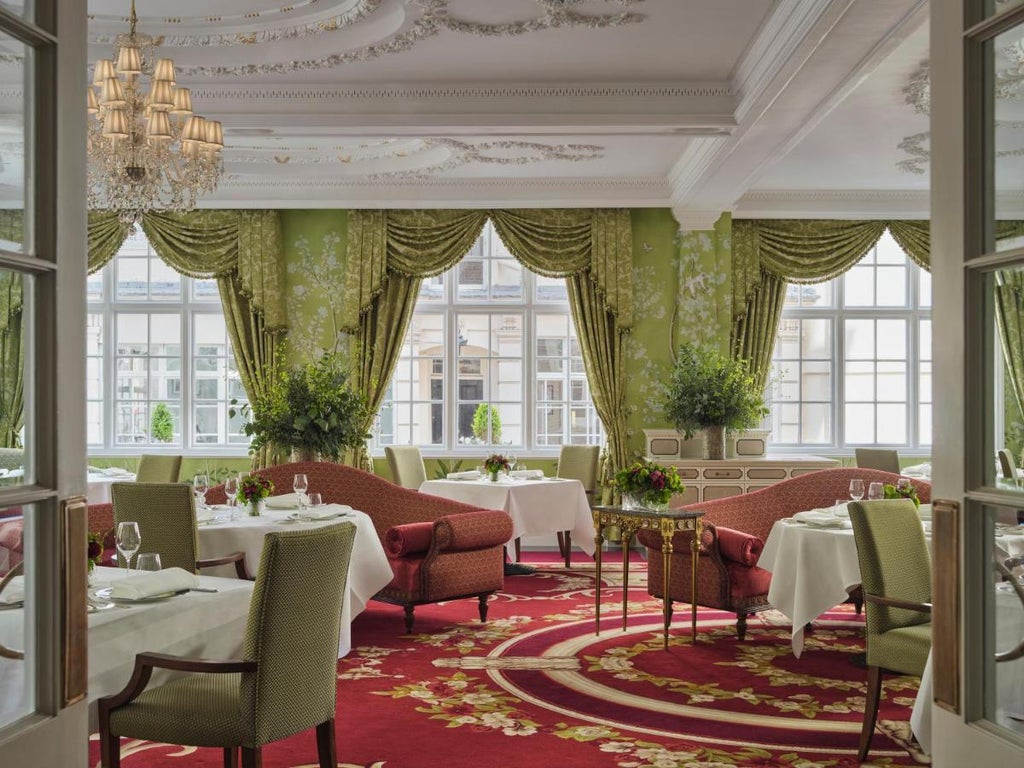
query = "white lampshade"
x=115 y=124
x=215 y=134
x=182 y=102
x=104 y=68
x=92 y=106
x=112 y=95
x=129 y=60
x=164 y=70
x=194 y=130
x=161 y=96
x=158 y=127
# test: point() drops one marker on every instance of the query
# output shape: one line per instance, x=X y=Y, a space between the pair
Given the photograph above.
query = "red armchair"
x=439 y=549
x=735 y=529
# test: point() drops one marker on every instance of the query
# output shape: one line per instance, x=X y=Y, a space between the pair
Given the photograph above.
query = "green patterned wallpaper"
x=682 y=294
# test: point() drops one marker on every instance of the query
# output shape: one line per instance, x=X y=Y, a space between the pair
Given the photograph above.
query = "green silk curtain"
x=1009 y=306
x=390 y=252
x=768 y=253
x=242 y=250
x=12 y=374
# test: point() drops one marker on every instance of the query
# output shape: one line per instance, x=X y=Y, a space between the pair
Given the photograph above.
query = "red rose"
x=95 y=549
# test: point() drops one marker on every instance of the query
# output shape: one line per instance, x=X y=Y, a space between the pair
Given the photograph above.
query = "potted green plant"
x=312 y=411
x=711 y=392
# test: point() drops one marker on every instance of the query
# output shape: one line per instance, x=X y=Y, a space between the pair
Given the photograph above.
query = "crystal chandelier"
x=147 y=150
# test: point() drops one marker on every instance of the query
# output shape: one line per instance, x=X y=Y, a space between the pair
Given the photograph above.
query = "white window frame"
x=187 y=308
x=449 y=308
x=912 y=313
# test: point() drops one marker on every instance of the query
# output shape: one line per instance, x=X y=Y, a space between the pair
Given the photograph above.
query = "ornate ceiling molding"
x=834 y=203
x=642 y=184
x=436 y=16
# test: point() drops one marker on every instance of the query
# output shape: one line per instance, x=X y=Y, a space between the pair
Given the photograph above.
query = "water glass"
x=200 y=485
x=856 y=490
x=148 y=561
x=231 y=491
x=128 y=541
x=300 y=484
x=875 y=491
x=314 y=499
x=839 y=508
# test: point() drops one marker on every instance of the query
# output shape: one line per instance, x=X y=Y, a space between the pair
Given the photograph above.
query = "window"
x=491 y=358
x=852 y=360
x=160 y=370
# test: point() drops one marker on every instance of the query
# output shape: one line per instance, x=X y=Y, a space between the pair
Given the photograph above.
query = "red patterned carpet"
x=536 y=687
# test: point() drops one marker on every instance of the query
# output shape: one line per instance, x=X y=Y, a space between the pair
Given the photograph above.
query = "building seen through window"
x=491 y=358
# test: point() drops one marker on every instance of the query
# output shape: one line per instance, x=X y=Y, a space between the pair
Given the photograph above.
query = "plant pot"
x=494 y=476
x=714 y=443
x=637 y=501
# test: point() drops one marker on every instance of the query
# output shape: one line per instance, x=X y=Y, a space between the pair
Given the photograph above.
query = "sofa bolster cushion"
x=467 y=531
x=12 y=535
x=739 y=547
x=408 y=539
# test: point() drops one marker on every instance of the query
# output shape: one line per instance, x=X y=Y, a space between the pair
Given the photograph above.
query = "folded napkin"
x=139 y=586
x=527 y=473
x=322 y=513
x=284 y=501
x=471 y=475
x=116 y=472
x=14 y=592
x=918 y=470
x=820 y=519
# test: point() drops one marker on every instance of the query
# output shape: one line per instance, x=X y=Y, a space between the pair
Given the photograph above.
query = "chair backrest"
x=158 y=469
x=406 y=466
x=579 y=462
x=166 y=514
x=885 y=459
x=292 y=631
x=1007 y=465
x=894 y=560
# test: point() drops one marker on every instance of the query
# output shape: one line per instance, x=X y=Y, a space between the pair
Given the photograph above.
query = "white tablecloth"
x=197 y=624
x=535 y=506
x=97 y=488
x=368 y=572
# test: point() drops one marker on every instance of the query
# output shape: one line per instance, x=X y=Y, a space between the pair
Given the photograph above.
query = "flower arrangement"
x=94 y=549
x=649 y=484
x=252 y=489
x=496 y=462
x=903 y=489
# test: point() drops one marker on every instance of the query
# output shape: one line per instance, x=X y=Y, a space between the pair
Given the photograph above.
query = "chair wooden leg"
x=568 y=548
x=409 y=608
x=518 y=545
x=230 y=757
x=252 y=757
x=483 y=607
x=325 y=746
x=110 y=744
x=741 y=625
x=874 y=695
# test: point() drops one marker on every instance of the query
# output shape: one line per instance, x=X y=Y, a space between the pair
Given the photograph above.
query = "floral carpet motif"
x=535 y=686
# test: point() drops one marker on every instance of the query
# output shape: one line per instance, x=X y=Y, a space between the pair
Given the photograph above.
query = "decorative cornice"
x=696 y=221
x=578 y=183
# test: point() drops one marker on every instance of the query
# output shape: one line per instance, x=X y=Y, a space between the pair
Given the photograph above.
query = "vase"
x=642 y=501
x=714 y=443
x=254 y=508
x=494 y=475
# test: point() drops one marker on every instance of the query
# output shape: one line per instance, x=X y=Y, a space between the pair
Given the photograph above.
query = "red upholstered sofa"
x=438 y=549
x=735 y=529
x=12 y=539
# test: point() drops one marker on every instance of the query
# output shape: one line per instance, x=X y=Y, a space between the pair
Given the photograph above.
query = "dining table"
x=194 y=624
x=223 y=530
x=536 y=505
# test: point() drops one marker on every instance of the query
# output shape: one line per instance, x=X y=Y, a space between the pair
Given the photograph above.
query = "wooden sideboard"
x=706 y=480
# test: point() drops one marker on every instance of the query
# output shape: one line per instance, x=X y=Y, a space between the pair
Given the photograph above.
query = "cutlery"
x=201 y=589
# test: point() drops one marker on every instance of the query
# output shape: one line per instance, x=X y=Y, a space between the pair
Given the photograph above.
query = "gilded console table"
x=629 y=522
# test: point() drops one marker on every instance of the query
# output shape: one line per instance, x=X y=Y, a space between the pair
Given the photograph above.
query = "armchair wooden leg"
x=252 y=757
x=874 y=695
x=741 y=625
x=518 y=548
x=483 y=607
x=409 y=608
x=110 y=744
x=230 y=757
x=325 y=747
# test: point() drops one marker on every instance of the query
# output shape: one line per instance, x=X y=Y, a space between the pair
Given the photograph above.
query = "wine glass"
x=314 y=499
x=301 y=483
x=200 y=485
x=148 y=561
x=512 y=462
x=856 y=490
x=875 y=491
x=231 y=491
x=128 y=541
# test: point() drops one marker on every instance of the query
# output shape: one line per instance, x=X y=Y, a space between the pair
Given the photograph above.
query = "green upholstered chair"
x=896 y=574
x=285 y=681
x=166 y=514
x=406 y=466
x=1007 y=466
x=577 y=462
x=158 y=469
x=884 y=459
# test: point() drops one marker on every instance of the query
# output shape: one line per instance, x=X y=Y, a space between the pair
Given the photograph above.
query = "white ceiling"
x=763 y=107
